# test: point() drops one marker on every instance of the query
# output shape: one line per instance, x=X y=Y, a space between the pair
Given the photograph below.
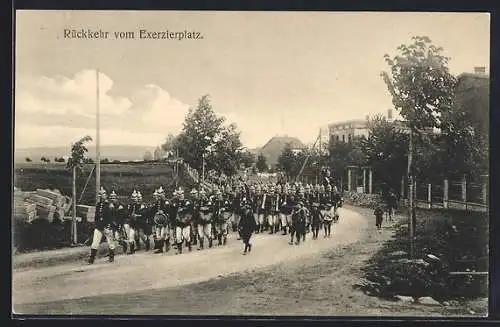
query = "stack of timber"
x=48 y=205
x=86 y=212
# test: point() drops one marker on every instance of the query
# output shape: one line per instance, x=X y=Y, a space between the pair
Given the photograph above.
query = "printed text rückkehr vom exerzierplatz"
x=141 y=34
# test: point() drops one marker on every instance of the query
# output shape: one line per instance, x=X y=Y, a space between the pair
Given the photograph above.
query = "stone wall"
x=362 y=199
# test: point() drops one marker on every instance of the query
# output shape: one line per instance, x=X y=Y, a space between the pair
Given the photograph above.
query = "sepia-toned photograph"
x=237 y=163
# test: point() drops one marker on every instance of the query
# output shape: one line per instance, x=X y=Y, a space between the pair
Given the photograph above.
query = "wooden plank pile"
x=86 y=212
x=48 y=205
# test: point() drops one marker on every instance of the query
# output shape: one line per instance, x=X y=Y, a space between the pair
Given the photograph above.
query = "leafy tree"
x=261 y=164
x=420 y=83
x=206 y=139
x=385 y=150
x=422 y=88
x=105 y=160
x=148 y=156
x=247 y=158
x=466 y=136
x=78 y=150
x=226 y=155
x=170 y=144
x=201 y=131
x=287 y=161
x=88 y=160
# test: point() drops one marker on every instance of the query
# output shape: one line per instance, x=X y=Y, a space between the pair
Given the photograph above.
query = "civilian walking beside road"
x=379 y=215
x=246 y=225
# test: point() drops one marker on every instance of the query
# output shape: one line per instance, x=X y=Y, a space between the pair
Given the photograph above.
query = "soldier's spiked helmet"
x=102 y=192
x=113 y=195
x=134 y=194
x=194 y=191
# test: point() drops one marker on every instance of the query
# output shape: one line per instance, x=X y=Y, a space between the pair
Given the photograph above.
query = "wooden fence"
x=453 y=194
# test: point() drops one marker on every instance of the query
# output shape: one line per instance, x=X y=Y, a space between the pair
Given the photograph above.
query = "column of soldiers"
x=204 y=217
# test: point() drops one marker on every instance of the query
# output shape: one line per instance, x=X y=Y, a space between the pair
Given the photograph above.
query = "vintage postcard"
x=251 y=163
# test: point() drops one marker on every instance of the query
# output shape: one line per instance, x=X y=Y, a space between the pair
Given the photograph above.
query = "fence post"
x=464 y=190
x=485 y=193
x=402 y=188
x=370 y=181
x=349 y=180
x=445 y=193
x=415 y=192
x=429 y=195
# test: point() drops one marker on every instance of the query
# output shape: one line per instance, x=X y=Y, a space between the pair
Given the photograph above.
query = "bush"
x=362 y=199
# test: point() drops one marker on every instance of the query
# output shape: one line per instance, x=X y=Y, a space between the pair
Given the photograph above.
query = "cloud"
x=67 y=107
x=63 y=95
x=160 y=110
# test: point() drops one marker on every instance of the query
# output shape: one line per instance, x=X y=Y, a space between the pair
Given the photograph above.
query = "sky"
x=271 y=73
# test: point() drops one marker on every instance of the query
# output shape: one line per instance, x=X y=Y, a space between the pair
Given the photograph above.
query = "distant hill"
x=273 y=148
x=112 y=152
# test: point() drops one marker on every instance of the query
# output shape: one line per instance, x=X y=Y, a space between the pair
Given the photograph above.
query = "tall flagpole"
x=97 y=149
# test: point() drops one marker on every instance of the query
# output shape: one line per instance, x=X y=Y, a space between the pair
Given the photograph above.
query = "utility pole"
x=97 y=148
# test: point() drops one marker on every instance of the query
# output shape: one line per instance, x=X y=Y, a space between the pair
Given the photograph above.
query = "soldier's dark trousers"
x=328 y=228
x=245 y=236
x=93 y=254
x=315 y=229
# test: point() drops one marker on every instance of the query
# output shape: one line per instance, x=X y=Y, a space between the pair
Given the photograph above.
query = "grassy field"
x=123 y=178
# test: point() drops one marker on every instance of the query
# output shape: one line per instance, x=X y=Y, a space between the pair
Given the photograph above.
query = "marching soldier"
x=236 y=197
x=205 y=218
x=143 y=222
x=183 y=221
x=122 y=229
x=194 y=198
x=160 y=219
x=285 y=209
x=328 y=217
x=223 y=214
x=103 y=227
x=119 y=216
x=246 y=225
x=256 y=203
x=315 y=220
x=133 y=211
x=298 y=223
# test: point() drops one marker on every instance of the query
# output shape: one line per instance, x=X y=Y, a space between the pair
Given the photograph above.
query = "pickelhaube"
x=113 y=195
x=102 y=191
x=194 y=191
x=133 y=195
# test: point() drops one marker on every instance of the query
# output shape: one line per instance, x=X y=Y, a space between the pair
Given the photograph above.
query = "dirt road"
x=147 y=271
